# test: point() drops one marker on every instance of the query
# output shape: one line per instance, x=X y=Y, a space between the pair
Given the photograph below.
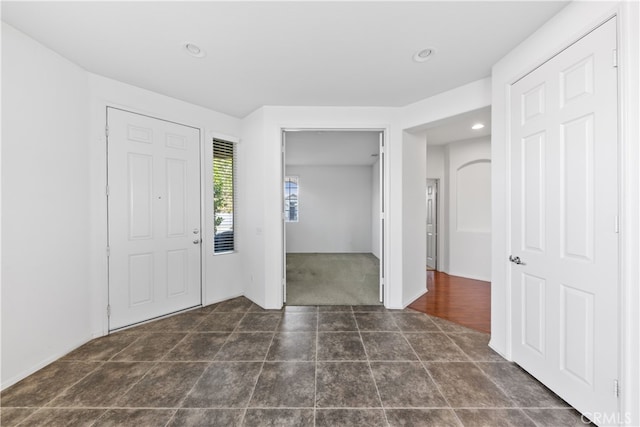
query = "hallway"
x=460 y=300
x=234 y=364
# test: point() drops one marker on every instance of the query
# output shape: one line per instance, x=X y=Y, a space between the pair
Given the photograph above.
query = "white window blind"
x=224 y=196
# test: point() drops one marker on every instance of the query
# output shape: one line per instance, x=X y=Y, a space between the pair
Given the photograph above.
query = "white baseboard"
x=96 y=334
x=217 y=300
x=492 y=347
x=469 y=276
x=408 y=301
x=35 y=368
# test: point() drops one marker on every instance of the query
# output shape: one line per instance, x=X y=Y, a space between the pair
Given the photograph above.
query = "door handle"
x=516 y=260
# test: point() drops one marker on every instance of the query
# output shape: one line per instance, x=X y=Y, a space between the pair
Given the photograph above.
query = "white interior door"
x=154 y=217
x=564 y=207
x=432 y=228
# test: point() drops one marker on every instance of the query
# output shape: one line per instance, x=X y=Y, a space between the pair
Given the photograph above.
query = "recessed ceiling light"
x=194 y=50
x=424 y=54
x=477 y=126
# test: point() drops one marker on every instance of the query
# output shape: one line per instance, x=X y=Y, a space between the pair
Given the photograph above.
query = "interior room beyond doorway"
x=332 y=214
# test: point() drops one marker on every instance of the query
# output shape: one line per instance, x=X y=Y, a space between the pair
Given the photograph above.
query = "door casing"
x=433 y=185
x=383 y=289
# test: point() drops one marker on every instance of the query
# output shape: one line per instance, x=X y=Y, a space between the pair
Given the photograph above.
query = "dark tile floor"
x=235 y=364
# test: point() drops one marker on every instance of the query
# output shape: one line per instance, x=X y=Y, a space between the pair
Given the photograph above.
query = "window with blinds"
x=224 y=195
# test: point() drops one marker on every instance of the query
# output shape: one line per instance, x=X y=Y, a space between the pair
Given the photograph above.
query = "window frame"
x=287 y=217
x=227 y=246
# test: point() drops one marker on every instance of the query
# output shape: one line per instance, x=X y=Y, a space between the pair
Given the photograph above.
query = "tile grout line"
x=450 y=407
x=155 y=363
x=475 y=363
x=315 y=369
x=100 y=363
x=264 y=361
x=375 y=383
x=208 y=365
x=171 y=418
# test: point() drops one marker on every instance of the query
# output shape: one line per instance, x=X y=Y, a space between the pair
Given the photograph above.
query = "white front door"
x=432 y=220
x=154 y=217
x=564 y=207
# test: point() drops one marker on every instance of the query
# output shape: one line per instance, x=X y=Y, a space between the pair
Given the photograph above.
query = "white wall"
x=414 y=215
x=266 y=174
x=334 y=210
x=572 y=22
x=375 y=209
x=470 y=97
x=54 y=218
x=436 y=170
x=45 y=199
x=403 y=277
x=252 y=205
x=469 y=208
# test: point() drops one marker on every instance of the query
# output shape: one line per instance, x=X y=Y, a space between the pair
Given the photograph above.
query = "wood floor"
x=460 y=300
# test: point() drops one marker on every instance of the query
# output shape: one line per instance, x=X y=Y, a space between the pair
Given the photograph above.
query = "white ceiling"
x=331 y=148
x=284 y=53
x=458 y=128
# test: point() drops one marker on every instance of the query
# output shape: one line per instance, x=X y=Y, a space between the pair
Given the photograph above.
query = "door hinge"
x=108 y=251
x=106 y=130
x=109 y=310
x=615 y=58
x=616 y=388
x=106 y=190
x=616 y=224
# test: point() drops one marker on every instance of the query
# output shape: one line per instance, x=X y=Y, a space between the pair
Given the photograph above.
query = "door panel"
x=140 y=196
x=177 y=194
x=577 y=194
x=154 y=217
x=533 y=313
x=564 y=201
x=533 y=192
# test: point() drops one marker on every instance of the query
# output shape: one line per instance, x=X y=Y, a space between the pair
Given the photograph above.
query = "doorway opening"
x=333 y=219
x=458 y=218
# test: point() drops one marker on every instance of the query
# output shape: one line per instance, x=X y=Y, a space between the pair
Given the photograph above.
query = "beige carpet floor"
x=332 y=279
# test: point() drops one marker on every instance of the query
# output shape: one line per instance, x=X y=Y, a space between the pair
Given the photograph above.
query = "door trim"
x=437 y=216
x=201 y=190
